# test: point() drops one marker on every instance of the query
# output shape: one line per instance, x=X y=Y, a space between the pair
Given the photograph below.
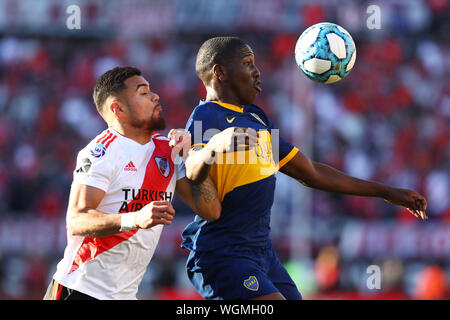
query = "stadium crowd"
x=387 y=121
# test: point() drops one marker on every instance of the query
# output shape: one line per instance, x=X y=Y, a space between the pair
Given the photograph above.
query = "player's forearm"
x=206 y=200
x=198 y=164
x=332 y=180
x=93 y=223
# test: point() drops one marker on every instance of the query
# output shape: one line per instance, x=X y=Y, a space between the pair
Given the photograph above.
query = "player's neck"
x=135 y=134
x=222 y=96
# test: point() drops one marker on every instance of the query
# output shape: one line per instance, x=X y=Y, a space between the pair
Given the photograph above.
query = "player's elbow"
x=211 y=217
x=310 y=178
x=309 y=182
x=197 y=166
x=71 y=226
x=194 y=173
x=73 y=223
x=192 y=177
x=216 y=212
x=211 y=213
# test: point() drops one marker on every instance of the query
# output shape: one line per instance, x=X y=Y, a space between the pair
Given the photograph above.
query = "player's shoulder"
x=207 y=109
x=207 y=112
x=102 y=146
x=255 y=109
x=259 y=113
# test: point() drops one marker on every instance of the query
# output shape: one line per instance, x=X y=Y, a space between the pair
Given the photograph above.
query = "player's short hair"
x=218 y=50
x=111 y=83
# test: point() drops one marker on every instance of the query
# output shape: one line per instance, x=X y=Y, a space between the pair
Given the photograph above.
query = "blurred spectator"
x=431 y=284
x=327 y=270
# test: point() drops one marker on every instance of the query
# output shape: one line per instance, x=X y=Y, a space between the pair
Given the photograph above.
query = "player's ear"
x=219 y=72
x=116 y=108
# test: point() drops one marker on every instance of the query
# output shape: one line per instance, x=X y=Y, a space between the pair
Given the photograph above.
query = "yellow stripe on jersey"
x=288 y=157
x=229 y=106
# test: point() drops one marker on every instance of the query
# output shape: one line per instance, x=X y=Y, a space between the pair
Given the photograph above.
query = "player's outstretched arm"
x=201 y=197
x=85 y=220
x=320 y=176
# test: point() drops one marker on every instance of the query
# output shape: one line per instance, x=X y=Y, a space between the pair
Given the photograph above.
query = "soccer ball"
x=325 y=52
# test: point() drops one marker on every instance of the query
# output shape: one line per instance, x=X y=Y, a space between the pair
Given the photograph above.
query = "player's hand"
x=180 y=142
x=411 y=200
x=154 y=213
x=234 y=139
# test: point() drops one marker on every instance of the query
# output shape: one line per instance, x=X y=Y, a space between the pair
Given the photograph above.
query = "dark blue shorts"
x=239 y=273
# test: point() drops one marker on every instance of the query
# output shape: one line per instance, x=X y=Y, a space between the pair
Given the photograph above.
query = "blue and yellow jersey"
x=245 y=180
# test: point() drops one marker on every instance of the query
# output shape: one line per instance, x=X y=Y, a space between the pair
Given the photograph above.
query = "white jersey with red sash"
x=132 y=175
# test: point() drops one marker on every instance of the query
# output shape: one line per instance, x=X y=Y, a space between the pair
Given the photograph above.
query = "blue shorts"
x=239 y=273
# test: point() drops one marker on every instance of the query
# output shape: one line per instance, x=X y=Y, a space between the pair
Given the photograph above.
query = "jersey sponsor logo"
x=163 y=165
x=85 y=166
x=140 y=197
x=130 y=167
x=251 y=283
x=231 y=120
x=98 y=151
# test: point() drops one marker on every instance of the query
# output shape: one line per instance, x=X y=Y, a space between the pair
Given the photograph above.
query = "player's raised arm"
x=85 y=220
x=320 y=176
x=201 y=197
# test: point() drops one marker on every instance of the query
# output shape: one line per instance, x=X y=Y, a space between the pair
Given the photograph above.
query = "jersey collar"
x=229 y=106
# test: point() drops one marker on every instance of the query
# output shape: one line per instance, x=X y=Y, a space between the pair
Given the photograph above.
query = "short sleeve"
x=93 y=171
x=180 y=168
x=286 y=151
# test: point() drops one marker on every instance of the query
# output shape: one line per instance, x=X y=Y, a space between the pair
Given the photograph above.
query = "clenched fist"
x=156 y=212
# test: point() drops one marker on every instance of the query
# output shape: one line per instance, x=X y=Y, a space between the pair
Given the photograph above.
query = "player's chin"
x=256 y=91
x=251 y=96
x=159 y=123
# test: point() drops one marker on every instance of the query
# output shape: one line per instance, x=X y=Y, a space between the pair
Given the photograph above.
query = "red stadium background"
x=387 y=121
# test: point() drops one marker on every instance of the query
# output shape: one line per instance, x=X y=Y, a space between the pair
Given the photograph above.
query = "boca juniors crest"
x=251 y=283
x=163 y=165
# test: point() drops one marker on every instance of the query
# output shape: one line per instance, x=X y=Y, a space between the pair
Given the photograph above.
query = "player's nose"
x=155 y=96
x=256 y=74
